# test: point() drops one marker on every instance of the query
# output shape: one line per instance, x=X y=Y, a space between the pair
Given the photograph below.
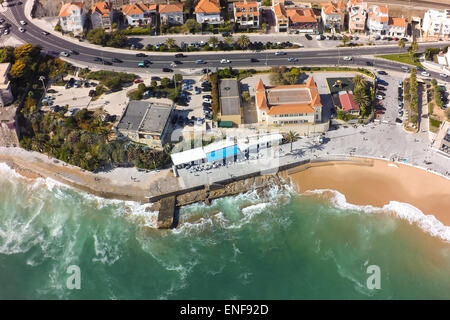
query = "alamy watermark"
x=374 y=280
x=74 y=280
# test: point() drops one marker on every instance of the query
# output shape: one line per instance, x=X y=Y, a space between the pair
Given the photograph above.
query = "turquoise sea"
x=276 y=245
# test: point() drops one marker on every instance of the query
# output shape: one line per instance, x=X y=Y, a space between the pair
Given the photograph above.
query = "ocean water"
x=274 y=245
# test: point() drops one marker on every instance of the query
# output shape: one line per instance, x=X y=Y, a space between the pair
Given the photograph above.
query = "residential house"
x=288 y=104
x=247 y=14
x=102 y=15
x=302 y=19
x=436 y=24
x=139 y=14
x=357 y=15
x=6 y=96
x=333 y=15
x=281 y=18
x=208 y=11
x=378 y=20
x=72 y=17
x=397 y=27
x=347 y=102
x=171 y=13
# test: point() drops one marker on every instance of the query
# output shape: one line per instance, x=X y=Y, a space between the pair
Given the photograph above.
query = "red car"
x=138 y=80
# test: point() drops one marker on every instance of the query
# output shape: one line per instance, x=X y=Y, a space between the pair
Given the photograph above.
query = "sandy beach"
x=377 y=183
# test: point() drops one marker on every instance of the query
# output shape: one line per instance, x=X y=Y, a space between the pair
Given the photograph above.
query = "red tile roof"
x=68 y=7
x=348 y=102
x=168 y=8
x=298 y=15
x=101 y=7
x=207 y=6
x=397 y=22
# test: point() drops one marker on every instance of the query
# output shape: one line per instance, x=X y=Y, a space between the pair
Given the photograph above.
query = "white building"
x=333 y=15
x=208 y=11
x=397 y=27
x=171 y=13
x=139 y=14
x=378 y=20
x=436 y=24
x=72 y=17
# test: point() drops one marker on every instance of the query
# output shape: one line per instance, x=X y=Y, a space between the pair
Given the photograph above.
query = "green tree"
x=401 y=45
x=6 y=54
x=291 y=137
x=191 y=25
x=229 y=40
x=18 y=69
x=171 y=43
x=362 y=99
x=359 y=81
x=214 y=41
x=344 y=40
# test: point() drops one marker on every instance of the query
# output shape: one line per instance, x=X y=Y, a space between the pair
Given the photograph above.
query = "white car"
x=292 y=59
x=379 y=97
x=207 y=100
x=21 y=29
x=45 y=33
x=347 y=58
x=425 y=74
x=22 y=22
x=64 y=54
x=6 y=31
x=443 y=75
x=225 y=61
x=280 y=53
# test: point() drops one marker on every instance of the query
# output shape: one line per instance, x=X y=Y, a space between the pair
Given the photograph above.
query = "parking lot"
x=388 y=88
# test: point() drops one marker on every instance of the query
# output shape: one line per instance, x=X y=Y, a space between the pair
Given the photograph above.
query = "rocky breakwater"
x=168 y=215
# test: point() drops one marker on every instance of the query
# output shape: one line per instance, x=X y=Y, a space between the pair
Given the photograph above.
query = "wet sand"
x=379 y=182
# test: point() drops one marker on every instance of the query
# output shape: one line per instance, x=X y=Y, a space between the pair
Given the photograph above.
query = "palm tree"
x=413 y=49
x=229 y=40
x=243 y=41
x=362 y=99
x=213 y=41
x=359 y=81
x=401 y=45
x=292 y=136
x=170 y=42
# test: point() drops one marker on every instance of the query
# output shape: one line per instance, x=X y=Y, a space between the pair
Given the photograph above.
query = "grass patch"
x=403 y=58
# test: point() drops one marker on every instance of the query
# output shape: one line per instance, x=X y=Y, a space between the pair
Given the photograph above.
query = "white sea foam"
x=404 y=211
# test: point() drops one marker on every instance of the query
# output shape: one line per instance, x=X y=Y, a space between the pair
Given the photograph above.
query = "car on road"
x=98 y=59
x=199 y=61
x=179 y=55
x=22 y=22
x=107 y=63
x=223 y=61
x=347 y=58
x=6 y=31
x=74 y=52
x=443 y=75
x=45 y=33
x=280 y=53
x=142 y=65
x=254 y=60
x=292 y=59
x=405 y=68
x=64 y=54
x=425 y=74
x=2 y=20
x=382 y=72
x=21 y=29
x=167 y=70
x=319 y=37
x=140 y=55
x=115 y=60
x=173 y=65
x=308 y=37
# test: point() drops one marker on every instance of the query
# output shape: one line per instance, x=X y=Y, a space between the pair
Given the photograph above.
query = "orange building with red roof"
x=377 y=21
x=138 y=14
x=171 y=13
x=302 y=19
x=288 y=104
x=101 y=15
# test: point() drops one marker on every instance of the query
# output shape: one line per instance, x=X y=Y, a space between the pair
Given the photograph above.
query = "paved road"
x=54 y=45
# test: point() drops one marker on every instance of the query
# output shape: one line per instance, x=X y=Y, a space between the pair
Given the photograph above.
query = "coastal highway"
x=362 y=56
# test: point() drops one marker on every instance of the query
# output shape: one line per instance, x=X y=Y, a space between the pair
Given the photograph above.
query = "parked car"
x=319 y=37
x=425 y=74
x=138 y=81
x=6 y=31
x=179 y=55
x=443 y=75
x=379 y=97
x=208 y=100
x=382 y=72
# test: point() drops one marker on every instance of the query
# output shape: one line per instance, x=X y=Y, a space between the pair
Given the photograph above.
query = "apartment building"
x=247 y=14
x=289 y=104
x=436 y=24
x=357 y=15
x=378 y=20
x=171 y=13
x=72 y=17
x=302 y=19
x=208 y=11
x=333 y=15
